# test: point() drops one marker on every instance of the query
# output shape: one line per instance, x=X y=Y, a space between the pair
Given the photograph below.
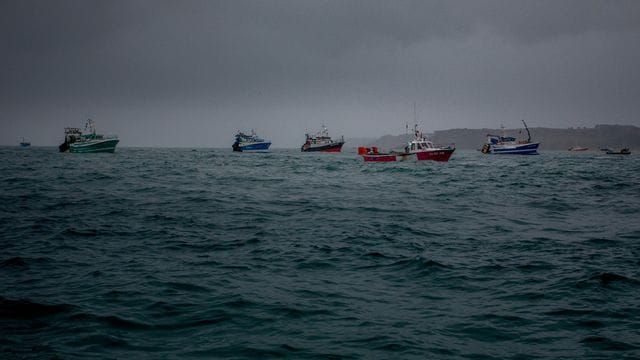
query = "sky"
x=191 y=73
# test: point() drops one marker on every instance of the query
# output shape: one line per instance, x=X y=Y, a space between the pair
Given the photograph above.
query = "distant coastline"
x=614 y=136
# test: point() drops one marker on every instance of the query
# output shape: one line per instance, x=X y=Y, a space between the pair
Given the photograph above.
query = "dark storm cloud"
x=533 y=21
x=34 y=28
x=154 y=45
x=466 y=62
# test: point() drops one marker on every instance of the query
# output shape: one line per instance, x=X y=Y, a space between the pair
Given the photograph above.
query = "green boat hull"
x=94 y=146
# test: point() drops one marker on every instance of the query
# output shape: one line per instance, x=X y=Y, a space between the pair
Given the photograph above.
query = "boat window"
x=419 y=146
x=413 y=146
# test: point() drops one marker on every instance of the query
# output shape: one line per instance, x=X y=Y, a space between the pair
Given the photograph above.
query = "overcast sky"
x=191 y=73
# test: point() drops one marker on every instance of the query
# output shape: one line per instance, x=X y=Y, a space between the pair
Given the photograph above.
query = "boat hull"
x=432 y=155
x=435 y=155
x=618 y=153
x=516 y=149
x=380 y=158
x=252 y=147
x=335 y=147
x=94 y=146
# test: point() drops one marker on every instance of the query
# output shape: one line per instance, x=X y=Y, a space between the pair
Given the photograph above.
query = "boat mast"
x=528 y=133
x=415 y=121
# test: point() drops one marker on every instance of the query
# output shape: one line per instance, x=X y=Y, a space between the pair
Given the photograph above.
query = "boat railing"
x=445 y=146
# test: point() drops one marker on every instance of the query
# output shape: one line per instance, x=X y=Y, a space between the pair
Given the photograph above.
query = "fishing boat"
x=250 y=143
x=623 y=151
x=578 y=148
x=321 y=141
x=418 y=149
x=509 y=145
x=87 y=141
x=24 y=143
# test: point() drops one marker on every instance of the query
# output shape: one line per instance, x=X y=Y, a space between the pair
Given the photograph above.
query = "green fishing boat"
x=77 y=141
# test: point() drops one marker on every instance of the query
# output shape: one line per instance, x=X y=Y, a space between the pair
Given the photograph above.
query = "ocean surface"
x=205 y=253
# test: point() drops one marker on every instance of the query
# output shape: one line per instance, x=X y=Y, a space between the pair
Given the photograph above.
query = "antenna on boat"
x=528 y=133
x=415 y=121
x=90 y=126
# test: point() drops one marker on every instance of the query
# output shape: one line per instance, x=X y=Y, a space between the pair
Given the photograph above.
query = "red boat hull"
x=336 y=147
x=379 y=158
x=435 y=155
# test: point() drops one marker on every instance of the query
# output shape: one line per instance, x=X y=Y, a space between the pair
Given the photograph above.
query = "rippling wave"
x=205 y=253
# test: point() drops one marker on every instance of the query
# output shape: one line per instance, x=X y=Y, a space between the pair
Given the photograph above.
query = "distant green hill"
x=612 y=136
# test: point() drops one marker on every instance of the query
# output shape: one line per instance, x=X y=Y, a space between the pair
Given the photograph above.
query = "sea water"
x=206 y=253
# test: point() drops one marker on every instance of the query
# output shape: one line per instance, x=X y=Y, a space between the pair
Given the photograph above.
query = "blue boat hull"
x=524 y=149
x=249 y=147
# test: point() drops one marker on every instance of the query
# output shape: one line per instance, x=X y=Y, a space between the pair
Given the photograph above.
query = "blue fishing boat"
x=25 y=143
x=508 y=145
x=250 y=143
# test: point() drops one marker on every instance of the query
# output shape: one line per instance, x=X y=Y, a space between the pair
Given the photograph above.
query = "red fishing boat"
x=417 y=149
x=322 y=142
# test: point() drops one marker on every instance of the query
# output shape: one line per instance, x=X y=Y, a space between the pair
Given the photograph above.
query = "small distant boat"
x=578 y=148
x=623 y=151
x=321 y=141
x=509 y=145
x=250 y=143
x=75 y=141
x=417 y=149
x=24 y=143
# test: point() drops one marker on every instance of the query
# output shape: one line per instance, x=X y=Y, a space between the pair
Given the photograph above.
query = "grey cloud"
x=468 y=62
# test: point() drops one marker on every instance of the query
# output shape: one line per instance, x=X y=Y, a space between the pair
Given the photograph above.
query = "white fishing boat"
x=508 y=145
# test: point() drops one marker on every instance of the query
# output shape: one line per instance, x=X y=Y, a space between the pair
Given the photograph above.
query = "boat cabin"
x=419 y=145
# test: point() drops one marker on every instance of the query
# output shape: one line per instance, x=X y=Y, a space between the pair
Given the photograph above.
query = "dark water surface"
x=176 y=253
